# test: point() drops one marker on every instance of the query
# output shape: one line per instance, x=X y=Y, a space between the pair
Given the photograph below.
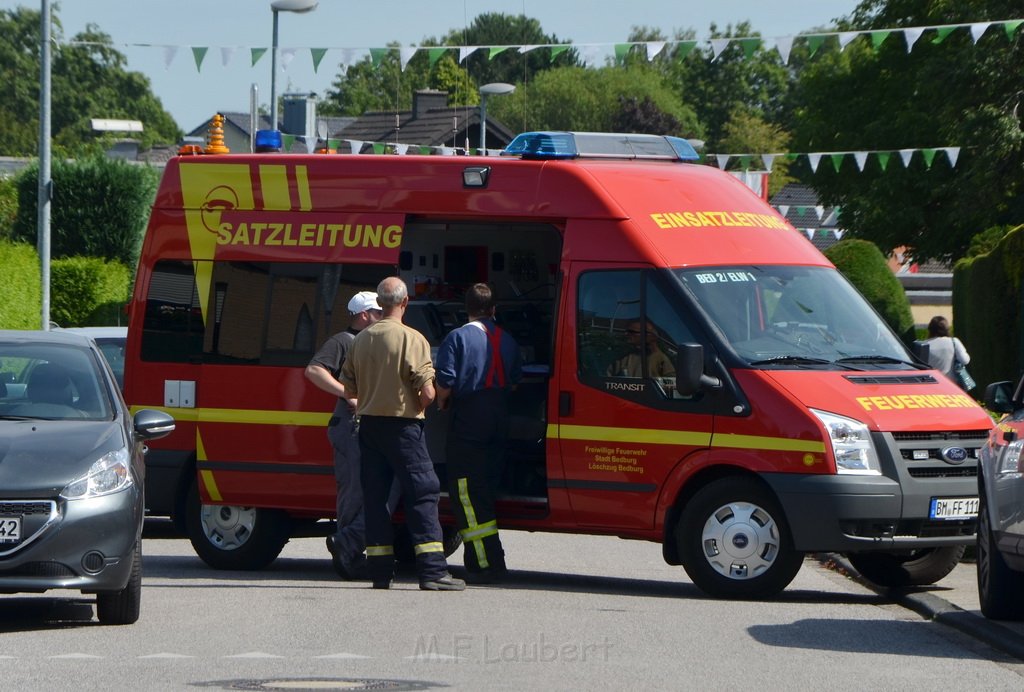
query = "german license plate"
x=954 y=508
x=10 y=529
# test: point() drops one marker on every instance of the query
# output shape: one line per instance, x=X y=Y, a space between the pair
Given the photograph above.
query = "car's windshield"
x=795 y=317
x=51 y=381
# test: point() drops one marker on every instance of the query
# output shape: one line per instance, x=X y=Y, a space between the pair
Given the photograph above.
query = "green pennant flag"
x=558 y=50
x=621 y=51
x=814 y=42
x=256 y=53
x=286 y=142
x=377 y=54
x=837 y=161
x=1011 y=27
x=426 y=151
x=941 y=33
x=792 y=157
x=878 y=38
x=378 y=147
x=198 y=53
x=683 y=49
x=317 y=54
x=883 y=159
x=496 y=50
x=929 y=156
x=745 y=162
x=749 y=46
x=435 y=54
x=801 y=210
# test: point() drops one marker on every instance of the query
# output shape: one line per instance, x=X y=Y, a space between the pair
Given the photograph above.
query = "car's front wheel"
x=122 y=607
x=235 y=538
x=1000 y=589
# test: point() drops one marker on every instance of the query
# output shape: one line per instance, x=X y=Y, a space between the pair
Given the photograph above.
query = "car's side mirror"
x=999 y=397
x=152 y=425
x=921 y=351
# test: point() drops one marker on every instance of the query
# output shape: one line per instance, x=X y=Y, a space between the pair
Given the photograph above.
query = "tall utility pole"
x=45 y=184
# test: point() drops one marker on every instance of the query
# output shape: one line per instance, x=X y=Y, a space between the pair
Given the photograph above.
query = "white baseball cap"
x=363 y=301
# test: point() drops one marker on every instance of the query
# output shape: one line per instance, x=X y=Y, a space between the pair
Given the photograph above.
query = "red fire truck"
x=767 y=411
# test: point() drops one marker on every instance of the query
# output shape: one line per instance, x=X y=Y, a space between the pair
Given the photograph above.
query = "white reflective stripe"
x=467 y=507
x=379 y=550
x=433 y=547
x=480 y=532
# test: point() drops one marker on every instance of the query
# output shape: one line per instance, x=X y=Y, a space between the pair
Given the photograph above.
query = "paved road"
x=580 y=613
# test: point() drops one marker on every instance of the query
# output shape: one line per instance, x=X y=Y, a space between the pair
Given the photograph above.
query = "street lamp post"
x=485 y=91
x=275 y=7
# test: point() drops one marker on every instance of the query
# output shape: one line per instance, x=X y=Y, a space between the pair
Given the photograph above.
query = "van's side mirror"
x=999 y=397
x=690 y=375
x=920 y=349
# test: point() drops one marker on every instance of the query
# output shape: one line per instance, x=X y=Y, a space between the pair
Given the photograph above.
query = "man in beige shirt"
x=389 y=372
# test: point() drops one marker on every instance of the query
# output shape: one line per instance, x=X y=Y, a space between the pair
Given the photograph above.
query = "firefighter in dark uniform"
x=389 y=373
x=477 y=366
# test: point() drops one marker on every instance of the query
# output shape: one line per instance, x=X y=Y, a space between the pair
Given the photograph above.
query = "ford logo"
x=954 y=455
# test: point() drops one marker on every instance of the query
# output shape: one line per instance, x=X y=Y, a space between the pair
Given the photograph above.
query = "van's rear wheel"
x=907 y=568
x=232 y=537
x=733 y=541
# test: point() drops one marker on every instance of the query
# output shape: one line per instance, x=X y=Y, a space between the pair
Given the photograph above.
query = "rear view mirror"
x=690 y=375
x=999 y=397
x=920 y=349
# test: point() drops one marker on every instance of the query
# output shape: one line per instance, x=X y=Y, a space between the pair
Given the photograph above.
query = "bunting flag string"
x=589 y=52
x=837 y=157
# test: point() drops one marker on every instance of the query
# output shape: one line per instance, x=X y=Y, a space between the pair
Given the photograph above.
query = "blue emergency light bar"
x=603 y=145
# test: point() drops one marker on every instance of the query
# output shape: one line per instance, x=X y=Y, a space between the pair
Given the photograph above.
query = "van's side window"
x=173 y=330
x=628 y=329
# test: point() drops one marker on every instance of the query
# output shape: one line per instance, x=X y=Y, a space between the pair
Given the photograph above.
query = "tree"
x=88 y=81
x=948 y=93
x=748 y=133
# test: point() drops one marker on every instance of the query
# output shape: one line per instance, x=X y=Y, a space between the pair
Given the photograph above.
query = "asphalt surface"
x=953 y=601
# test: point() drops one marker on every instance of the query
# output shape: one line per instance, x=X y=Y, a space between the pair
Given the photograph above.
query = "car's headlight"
x=110 y=473
x=1009 y=460
x=851 y=444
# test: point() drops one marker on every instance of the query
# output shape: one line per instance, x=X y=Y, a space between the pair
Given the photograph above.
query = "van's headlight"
x=110 y=473
x=851 y=444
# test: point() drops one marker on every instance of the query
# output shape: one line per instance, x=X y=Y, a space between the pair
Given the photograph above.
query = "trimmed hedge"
x=863 y=264
x=988 y=300
x=21 y=301
x=87 y=291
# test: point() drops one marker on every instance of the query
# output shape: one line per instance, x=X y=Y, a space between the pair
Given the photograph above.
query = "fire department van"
x=697 y=373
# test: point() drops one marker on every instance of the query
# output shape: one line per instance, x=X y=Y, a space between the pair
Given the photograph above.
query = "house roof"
x=801 y=207
x=240 y=122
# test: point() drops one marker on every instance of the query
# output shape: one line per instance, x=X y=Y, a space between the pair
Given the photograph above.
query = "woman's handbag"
x=962 y=377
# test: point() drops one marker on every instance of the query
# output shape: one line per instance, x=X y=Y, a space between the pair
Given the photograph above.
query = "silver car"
x=71 y=473
x=1001 y=509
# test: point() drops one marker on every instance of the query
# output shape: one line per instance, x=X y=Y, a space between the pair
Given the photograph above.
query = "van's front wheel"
x=733 y=541
x=231 y=537
x=901 y=569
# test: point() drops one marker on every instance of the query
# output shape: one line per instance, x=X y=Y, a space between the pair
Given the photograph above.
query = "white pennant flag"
x=287 y=55
x=820 y=211
x=814 y=160
x=718 y=45
x=838 y=233
x=810 y=233
x=768 y=160
x=845 y=38
x=978 y=29
x=654 y=48
x=723 y=159
x=590 y=54
x=527 y=49
x=784 y=44
x=861 y=157
x=911 y=35
x=348 y=57
x=447 y=151
x=226 y=53
x=169 y=53
x=356 y=144
x=784 y=210
x=952 y=153
x=465 y=52
x=405 y=54
x=310 y=144
x=906 y=155
x=401 y=149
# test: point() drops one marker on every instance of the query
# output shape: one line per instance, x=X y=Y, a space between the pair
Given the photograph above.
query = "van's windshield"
x=795 y=317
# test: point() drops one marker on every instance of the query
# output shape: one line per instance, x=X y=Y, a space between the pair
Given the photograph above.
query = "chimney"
x=427 y=99
x=300 y=114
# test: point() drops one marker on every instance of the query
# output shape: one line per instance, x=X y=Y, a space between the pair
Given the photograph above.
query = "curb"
x=937 y=609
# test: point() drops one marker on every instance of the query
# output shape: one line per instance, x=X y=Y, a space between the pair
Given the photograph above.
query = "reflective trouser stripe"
x=434 y=547
x=472 y=527
x=482 y=531
x=379 y=550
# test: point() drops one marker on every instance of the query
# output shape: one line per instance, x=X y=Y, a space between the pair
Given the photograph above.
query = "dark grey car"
x=71 y=473
x=1001 y=509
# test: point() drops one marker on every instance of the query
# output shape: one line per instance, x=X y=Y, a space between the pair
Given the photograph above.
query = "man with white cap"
x=349 y=541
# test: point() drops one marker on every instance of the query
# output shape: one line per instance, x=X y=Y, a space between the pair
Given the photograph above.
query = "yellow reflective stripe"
x=276 y=190
x=302 y=184
x=210 y=485
x=467 y=507
x=254 y=417
x=480 y=532
x=679 y=437
x=379 y=550
x=434 y=547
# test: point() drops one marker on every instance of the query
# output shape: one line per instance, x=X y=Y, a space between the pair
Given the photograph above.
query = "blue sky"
x=192 y=97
